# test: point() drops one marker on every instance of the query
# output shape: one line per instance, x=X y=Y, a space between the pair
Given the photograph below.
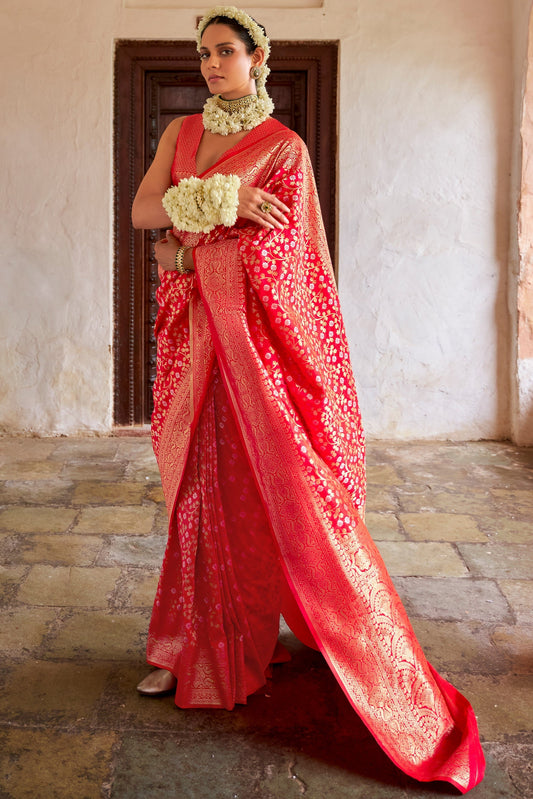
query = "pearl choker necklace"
x=232 y=116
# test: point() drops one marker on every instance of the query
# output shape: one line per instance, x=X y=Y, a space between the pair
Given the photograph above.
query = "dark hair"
x=237 y=28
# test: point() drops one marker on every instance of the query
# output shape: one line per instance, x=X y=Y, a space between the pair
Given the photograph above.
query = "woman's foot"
x=158 y=682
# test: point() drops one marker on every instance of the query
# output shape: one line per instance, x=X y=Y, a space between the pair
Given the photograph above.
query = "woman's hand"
x=165 y=253
x=250 y=200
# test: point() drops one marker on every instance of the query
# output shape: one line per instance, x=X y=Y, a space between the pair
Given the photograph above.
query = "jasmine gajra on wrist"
x=198 y=206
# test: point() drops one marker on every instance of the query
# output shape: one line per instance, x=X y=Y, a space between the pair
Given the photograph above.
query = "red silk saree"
x=257 y=432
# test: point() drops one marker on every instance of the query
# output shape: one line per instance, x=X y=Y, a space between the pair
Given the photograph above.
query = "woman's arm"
x=147 y=211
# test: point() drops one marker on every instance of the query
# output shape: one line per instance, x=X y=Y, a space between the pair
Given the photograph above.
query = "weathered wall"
x=521 y=252
x=425 y=148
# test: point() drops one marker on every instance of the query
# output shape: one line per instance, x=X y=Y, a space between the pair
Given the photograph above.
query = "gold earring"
x=255 y=72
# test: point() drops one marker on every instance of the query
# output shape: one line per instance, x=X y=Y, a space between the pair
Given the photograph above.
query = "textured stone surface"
x=519 y=594
x=454 y=599
x=58 y=585
x=421 y=559
x=441 y=527
x=132 y=520
x=133 y=550
x=95 y=493
x=502 y=704
x=499 y=560
x=460 y=647
x=10 y=579
x=45 y=692
x=143 y=593
x=517 y=644
x=37 y=520
x=74 y=620
x=100 y=637
x=383 y=526
x=22 y=630
x=50 y=763
x=65 y=550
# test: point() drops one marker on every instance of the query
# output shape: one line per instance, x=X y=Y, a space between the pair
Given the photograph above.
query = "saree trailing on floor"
x=257 y=432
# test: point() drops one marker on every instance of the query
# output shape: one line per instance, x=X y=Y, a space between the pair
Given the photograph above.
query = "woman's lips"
x=214 y=78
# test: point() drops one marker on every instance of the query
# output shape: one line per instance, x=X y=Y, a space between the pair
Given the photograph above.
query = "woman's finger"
x=273 y=200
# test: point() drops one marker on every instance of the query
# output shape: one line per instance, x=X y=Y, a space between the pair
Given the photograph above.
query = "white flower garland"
x=218 y=118
x=223 y=121
x=259 y=37
x=198 y=205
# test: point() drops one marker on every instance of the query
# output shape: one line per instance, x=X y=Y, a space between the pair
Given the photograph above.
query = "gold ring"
x=265 y=207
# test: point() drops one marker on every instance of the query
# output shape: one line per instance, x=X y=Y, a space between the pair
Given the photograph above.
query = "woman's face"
x=226 y=64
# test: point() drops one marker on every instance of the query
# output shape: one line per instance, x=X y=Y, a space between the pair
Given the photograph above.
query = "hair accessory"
x=258 y=35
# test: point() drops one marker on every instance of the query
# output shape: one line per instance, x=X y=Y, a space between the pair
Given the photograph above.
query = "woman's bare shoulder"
x=173 y=128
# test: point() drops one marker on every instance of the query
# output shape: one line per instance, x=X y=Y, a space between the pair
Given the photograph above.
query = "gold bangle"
x=180 y=255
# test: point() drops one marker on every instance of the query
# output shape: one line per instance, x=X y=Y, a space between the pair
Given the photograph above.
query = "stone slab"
x=504 y=530
x=517 y=644
x=221 y=766
x=52 y=763
x=38 y=519
x=383 y=527
x=29 y=470
x=143 y=592
x=37 y=692
x=454 y=599
x=405 y=559
x=95 y=493
x=464 y=647
x=15 y=449
x=502 y=704
x=100 y=636
x=116 y=520
x=63 y=586
x=516 y=760
x=382 y=474
x=422 y=498
x=90 y=469
x=381 y=499
x=10 y=546
x=131 y=550
x=10 y=579
x=514 y=502
x=22 y=630
x=61 y=550
x=36 y=492
x=155 y=494
x=519 y=594
x=441 y=527
x=135 y=447
x=507 y=561
x=75 y=449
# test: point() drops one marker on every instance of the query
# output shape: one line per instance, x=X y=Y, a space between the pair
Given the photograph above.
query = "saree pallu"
x=257 y=431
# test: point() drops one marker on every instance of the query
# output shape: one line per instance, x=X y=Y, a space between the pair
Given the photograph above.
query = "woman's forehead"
x=217 y=34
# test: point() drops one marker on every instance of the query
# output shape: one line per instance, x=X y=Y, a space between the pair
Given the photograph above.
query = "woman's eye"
x=227 y=52
x=202 y=56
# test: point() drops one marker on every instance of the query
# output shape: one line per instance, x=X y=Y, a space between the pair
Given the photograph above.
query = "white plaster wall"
x=425 y=148
x=519 y=255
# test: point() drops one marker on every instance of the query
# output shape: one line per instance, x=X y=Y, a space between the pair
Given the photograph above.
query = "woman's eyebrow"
x=221 y=44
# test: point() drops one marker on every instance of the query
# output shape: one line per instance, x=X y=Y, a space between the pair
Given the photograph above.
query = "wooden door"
x=154 y=83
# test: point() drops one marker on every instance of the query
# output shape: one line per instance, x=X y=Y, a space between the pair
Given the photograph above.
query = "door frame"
x=133 y=60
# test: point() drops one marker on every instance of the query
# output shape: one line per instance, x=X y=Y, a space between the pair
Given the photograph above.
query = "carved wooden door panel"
x=154 y=83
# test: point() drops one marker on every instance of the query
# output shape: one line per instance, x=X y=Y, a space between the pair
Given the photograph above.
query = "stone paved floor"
x=82 y=534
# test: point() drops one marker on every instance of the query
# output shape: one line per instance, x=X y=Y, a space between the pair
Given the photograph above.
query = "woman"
x=257 y=432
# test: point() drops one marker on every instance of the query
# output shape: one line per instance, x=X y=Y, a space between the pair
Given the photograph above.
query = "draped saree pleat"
x=258 y=437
